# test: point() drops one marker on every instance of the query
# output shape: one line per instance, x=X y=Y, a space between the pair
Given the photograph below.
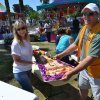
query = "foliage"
x=42 y=15
x=28 y=11
x=75 y=14
x=16 y=8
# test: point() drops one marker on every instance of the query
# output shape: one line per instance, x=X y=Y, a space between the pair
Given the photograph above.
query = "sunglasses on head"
x=22 y=28
x=88 y=14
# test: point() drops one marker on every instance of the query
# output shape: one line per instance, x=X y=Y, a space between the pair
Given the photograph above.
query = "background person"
x=21 y=51
x=88 y=44
x=64 y=41
x=48 y=30
x=57 y=37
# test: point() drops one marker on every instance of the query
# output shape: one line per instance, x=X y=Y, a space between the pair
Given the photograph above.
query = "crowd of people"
x=86 y=41
x=49 y=25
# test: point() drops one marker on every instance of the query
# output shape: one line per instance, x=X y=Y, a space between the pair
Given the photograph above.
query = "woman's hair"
x=61 y=31
x=18 y=24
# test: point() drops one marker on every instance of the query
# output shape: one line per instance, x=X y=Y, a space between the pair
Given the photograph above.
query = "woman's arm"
x=18 y=60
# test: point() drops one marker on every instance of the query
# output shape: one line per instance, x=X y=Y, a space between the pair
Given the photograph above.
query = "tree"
x=44 y=1
x=19 y=7
x=8 y=12
x=28 y=11
x=16 y=8
x=7 y=5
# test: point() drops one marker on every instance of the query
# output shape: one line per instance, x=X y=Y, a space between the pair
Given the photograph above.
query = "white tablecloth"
x=9 y=92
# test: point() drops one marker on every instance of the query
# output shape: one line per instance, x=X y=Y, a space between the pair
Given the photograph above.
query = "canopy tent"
x=44 y=6
x=74 y=1
x=61 y=2
x=3 y=13
x=2 y=8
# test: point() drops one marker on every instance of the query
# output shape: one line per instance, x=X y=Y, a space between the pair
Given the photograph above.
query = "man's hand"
x=58 y=56
x=66 y=76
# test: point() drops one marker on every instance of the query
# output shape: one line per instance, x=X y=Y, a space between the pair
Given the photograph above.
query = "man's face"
x=90 y=17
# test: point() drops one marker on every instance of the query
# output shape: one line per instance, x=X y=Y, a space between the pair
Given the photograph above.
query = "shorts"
x=86 y=81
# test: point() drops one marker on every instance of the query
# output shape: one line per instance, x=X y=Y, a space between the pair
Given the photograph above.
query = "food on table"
x=55 y=68
x=52 y=69
x=43 y=60
x=38 y=52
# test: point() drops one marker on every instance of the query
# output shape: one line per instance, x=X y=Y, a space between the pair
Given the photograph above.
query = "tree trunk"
x=21 y=6
x=8 y=13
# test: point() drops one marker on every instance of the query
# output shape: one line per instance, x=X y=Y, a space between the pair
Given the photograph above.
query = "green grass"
x=5 y=65
x=49 y=47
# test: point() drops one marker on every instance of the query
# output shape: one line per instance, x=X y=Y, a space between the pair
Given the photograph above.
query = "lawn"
x=41 y=89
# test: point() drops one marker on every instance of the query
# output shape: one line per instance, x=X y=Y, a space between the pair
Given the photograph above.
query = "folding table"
x=9 y=92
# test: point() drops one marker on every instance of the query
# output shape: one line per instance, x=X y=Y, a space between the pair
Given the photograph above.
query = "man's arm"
x=68 y=51
x=82 y=65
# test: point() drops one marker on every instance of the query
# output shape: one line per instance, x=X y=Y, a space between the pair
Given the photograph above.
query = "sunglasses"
x=88 y=14
x=22 y=28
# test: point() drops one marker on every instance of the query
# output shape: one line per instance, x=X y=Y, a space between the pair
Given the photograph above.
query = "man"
x=48 y=30
x=88 y=44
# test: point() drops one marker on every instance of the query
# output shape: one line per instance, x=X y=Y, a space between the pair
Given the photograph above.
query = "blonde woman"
x=21 y=51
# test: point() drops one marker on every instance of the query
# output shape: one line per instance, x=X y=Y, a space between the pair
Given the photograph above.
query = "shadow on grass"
x=5 y=65
x=56 y=92
x=64 y=92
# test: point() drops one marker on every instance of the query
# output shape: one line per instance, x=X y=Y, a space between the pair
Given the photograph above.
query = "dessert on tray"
x=51 y=69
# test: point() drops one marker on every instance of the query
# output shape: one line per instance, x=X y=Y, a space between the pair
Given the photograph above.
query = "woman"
x=64 y=41
x=21 y=51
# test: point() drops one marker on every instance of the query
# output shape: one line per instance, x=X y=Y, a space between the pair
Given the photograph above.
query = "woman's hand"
x=33 y=62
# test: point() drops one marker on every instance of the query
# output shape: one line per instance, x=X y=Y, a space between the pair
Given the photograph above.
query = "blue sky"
x=31 y=3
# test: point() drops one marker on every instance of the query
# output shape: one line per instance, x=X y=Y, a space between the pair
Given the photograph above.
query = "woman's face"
x=21 y=31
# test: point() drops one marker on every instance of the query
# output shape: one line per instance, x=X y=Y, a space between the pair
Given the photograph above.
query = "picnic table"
x=9 y=92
